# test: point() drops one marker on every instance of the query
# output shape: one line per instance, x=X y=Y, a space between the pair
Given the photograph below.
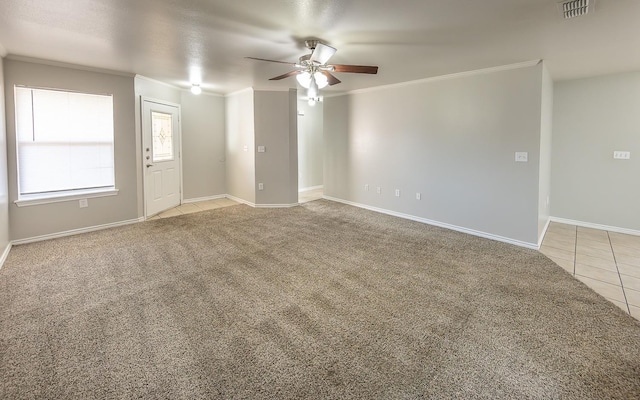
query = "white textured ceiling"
x=407 y=39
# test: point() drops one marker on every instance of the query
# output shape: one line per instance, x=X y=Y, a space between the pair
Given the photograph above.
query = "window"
x=64 y=143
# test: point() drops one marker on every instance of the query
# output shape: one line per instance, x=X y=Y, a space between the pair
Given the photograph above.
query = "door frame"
x=144 y=99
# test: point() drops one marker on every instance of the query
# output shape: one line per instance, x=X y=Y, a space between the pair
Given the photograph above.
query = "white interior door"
x=161 y=156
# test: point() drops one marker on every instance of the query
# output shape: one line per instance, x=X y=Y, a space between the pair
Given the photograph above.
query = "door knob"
x=149 y=165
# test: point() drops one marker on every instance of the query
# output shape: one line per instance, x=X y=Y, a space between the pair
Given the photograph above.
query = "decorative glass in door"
x=162 y=136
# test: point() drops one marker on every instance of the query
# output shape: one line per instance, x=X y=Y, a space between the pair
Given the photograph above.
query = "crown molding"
x=151 y=80
x=249 y=89
x=33 y=60
x=482 y=71
x=181 y=89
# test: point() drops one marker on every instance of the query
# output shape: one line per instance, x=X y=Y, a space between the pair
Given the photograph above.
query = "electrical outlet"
x=378 y=190
x=522 y=156
x=245 y=148
x=262 y=149
x=418 y=196
x=84 y=203
x=397 y=192
x=622 y=155
x=366 y=187
x=260 y=186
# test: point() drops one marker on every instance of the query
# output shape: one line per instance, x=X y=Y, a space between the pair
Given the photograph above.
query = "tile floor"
x=189 y=208
x=607 y=262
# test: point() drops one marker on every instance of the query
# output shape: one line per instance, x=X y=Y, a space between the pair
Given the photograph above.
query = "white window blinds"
x=64 y=139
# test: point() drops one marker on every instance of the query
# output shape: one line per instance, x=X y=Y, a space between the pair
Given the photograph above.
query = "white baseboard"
x=239 y=200
x=199 y=199
x=544 y=232
x=276 y=205
x=473 y=232
x=5 y=254
x=596 y=226
x=308 y=189
x=76 y=231
x=254 y=205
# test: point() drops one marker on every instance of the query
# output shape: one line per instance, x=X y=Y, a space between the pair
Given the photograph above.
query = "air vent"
x=575 y=8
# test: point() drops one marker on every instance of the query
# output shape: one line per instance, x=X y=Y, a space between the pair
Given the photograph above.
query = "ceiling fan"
x=313 y=72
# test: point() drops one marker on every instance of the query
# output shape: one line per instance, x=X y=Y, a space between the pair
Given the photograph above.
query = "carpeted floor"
x=318 y=301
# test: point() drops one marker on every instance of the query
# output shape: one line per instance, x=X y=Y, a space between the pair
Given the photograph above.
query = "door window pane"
x=162 y=136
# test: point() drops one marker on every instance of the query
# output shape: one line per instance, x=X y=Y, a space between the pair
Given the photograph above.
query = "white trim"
x=46 y=199
x=249 y=89
x=596 y=226
x=308 y=189
x=181 y=89
x=334 y=94
x=151 y=80
x=5 y=254
x=239 y=200
x=76 y=231
x=204 y=92
x=473 y=232
x=34 y=60
x=544 y=232
x=444 y=77
x=161 y=102
x=199 y=199
x=276 y=205
x=254 y=205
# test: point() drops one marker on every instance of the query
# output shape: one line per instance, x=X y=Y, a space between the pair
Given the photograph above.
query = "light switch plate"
x=83 y=203
x=245 y=148
x=522 y=156
x=261 y=149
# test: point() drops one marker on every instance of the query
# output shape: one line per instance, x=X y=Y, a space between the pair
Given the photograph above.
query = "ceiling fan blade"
x=358 y=69
x=332 y=79
x=288 y=74
x=264 y=59
x=322 y=53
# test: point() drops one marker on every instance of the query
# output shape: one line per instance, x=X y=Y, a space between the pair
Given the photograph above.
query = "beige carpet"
x=318 y=301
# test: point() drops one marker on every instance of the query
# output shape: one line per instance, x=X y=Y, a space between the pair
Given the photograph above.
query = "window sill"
x=35 y=200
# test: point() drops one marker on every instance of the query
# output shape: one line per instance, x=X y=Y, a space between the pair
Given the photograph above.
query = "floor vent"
x=575 y=8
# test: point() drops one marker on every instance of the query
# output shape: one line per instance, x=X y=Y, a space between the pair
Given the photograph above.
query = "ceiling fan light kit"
x=196 y=89
x=312 y=71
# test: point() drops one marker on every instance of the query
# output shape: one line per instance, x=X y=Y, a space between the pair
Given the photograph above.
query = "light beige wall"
x=310 y=145
x=592 y=118
x=451 y=139
x=240 y=145
x=336 y=176
x=273 y=130
x=203 y=147
x=293 y=147
x=546 y=122
x=37 y=220
x=4 y=195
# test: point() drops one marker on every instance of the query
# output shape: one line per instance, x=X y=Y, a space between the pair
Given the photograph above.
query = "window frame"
x=62 y=195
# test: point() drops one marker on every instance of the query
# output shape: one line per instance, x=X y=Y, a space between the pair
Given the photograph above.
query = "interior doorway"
x=310 y=151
